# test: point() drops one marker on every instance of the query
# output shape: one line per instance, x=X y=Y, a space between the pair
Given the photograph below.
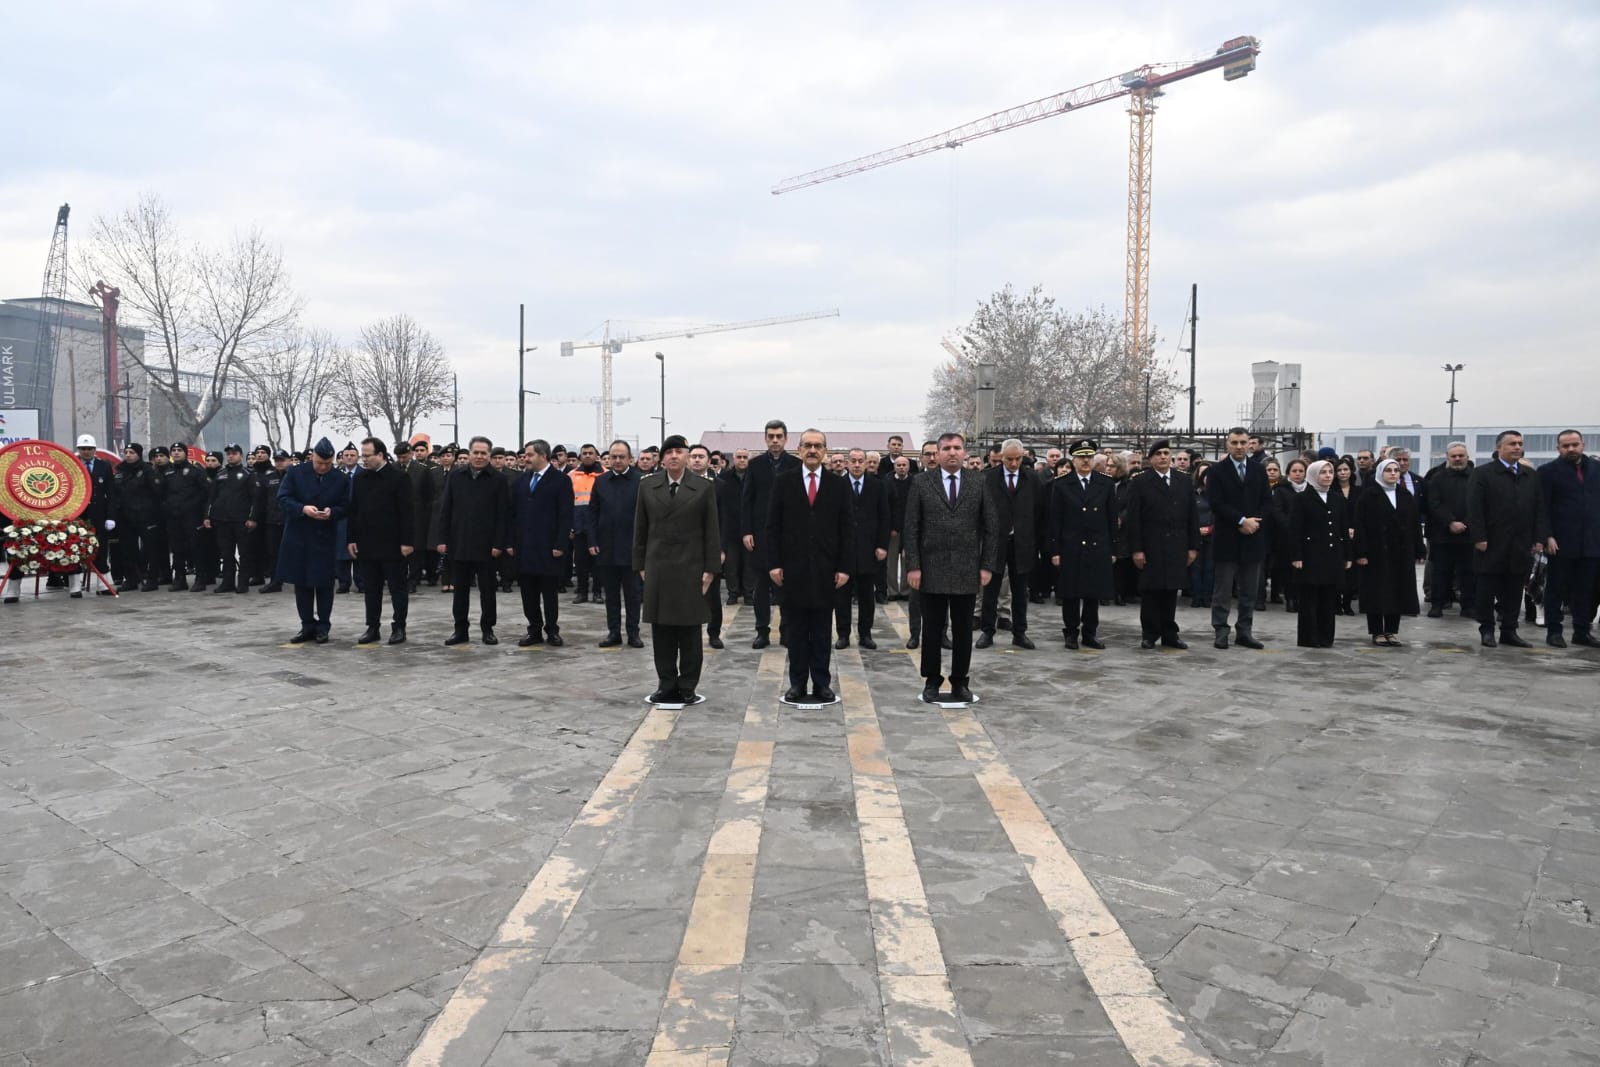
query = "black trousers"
x=157 y=558
x=256 y=556
x=233 y=545
x=622 y=586
x=862 y=589
x=713 y=598
x=1452 y=570
x=1228 y=576
x=205 y=555
x=462 y=572
x=1080 y=610
x=805 y=635
x=1570 y=579
x=1319 y=610
x=180 y=542
x=766 y=595
x=679 y=656
x=1390 y=624
x=272 y=541
x=1502 y=592
x=377 y=573
x=541 y=604
x=938 y=609
x=582 y=564
x=315 y=605
x=138 y=544
x=1158 y=614
x=1019 y=593
x=738 y=569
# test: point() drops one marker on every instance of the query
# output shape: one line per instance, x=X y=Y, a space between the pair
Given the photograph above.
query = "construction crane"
x=117 y=422
x=609 y=346
x=1143 y=86
x=52 y=303
x=602 y=440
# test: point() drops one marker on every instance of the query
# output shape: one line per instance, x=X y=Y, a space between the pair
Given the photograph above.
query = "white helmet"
x=86 y=441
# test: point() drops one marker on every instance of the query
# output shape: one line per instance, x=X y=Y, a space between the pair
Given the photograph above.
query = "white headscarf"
x=1388 y=490
x=1313 y=472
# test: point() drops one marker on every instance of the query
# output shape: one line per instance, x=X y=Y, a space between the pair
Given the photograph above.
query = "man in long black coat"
x=411 y=463
x=738 y=572
x=613 y=501
x=472 y=531
x=1241 y=500
x=869 y=547
x=381 y=526
x=1571 y=486
x=753 y=503
x=1082 y=529
x=807 y=543
x=1020 y=504
x=314 y=498
x=1505 y=512
x=1162 y=528
x=541 y=537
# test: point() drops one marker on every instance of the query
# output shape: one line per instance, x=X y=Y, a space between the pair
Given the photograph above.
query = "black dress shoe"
x=634 y=641
x=881 y=598
x=960 y=694
x=1436 y=612
x=321 y=638
x=1146 y=643
x=1175 y=642
x=664 y=696
x=76 y=594
x=1022 y=641
x=984 y=640
x=397 y=635
x=714 y=640
x=302 y=637
x=457 y=638
x=1488 y=641
x=1586 y=639
x=488 y=636
x=795 y=696
x=581 y=598
x=1071 y=641
x=930 y=694
x=341 y=589
x=554 y=640
x=914 y=641
x=1222 y=639
x=611 y=641
x=271 y=587
x=530 y=640
x=1555 y=640
x=105 y=592
x=1094 y=643
x=867 y=642
x=225 y=587
x=1247 y=641
x=1512 y=638
x=684 y=696
x=843 y=642
x=761 y=641
x=11 y=599
x=369 y=636
x=823 y=696
x=733 y=598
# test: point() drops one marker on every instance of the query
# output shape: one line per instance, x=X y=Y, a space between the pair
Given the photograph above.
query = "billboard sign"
x=18 y=424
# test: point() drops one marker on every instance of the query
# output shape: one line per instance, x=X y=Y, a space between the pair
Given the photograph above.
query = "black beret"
x=677 y=440
x=1157 y=446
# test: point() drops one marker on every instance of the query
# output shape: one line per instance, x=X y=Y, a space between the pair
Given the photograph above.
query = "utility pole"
x=523 y=348
x=1452 y=369
x=663 y=361
x=1194 y=324
x=455 y=408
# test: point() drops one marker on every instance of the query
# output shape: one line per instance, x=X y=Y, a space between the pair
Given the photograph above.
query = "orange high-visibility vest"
x=582 y=486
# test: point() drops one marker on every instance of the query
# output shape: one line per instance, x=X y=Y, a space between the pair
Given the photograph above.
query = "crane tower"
x=52 y=302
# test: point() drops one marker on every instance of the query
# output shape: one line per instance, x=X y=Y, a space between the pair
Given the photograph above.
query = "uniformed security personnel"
x=186 y=490
x=1081 y=530
x=228 y=518
x=268 y=515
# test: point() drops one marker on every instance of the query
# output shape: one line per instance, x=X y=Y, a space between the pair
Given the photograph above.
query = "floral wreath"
x=40 y=546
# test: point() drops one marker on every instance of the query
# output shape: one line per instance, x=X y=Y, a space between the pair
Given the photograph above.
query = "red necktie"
x=811 y=488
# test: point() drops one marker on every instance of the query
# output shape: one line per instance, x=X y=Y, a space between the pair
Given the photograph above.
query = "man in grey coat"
x=677 y=551
x=951 y=540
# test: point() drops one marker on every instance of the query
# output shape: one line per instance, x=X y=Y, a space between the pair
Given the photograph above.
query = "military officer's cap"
x=323 y=448
x=402 y=447
x=1083 y=446
x=1157 y=446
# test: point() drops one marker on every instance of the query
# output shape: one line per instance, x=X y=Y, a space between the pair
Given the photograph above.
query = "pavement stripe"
x=473 y=1019
x=697 y=1019
x=919 y=1009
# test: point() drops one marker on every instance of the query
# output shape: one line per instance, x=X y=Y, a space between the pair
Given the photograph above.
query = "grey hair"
x=1012 y=442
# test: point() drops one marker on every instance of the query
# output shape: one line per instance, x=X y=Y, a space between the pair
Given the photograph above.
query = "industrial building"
x=1428 y=443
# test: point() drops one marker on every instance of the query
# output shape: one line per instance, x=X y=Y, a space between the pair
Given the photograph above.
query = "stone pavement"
x=217 y=848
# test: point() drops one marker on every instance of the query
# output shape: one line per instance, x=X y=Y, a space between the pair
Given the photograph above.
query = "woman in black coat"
x=1318 y=548
x=1348 y=485
x=1285 y=582
x=1388 y=546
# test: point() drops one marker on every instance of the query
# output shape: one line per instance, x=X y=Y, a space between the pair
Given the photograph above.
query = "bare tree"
x=293 y=385
x=206 y=312
x=397 y=373
x=1053 y=369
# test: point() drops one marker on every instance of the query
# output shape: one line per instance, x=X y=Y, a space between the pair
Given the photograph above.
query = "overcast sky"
x=1395 y=186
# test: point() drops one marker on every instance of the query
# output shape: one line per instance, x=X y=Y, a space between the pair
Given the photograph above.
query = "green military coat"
x=675 y=541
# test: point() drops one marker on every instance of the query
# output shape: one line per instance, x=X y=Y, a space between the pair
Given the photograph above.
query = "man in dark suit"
x=676 y=552
x=411 y=464
x=1241 y=499
x=869 y=547
x=614 y=498
x=472 y=531
x=1506 y=514
x=541 y=528
x=738 y=571
x=381 y=526
x=1017 y=499
x=952 y=540
x=1571 y=485
x=700 y=467
x=808 y=542
x=898 y=485
x=753 y=517
x=102 y=510
x=1082 y=530
x=1162 y=529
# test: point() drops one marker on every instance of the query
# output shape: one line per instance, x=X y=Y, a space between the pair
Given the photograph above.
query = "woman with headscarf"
x=1388 y=546
x=1319 y=554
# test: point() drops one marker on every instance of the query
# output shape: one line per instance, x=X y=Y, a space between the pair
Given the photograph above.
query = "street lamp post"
x=523 y=348
x=1452 y=368
x=663 y=361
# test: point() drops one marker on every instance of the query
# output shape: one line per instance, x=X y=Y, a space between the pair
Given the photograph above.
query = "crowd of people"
x=836 y=534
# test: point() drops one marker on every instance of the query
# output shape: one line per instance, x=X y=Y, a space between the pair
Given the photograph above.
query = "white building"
x=1428 y=443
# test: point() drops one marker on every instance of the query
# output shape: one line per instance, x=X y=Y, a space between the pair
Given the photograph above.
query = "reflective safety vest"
x=582 y=486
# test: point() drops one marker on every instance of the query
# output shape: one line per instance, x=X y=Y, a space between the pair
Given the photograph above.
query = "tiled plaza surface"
x=215 y=848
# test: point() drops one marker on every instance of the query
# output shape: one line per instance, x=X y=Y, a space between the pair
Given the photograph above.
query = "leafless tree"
x=293 y=386
x=207 y=312
x=1053 y=369
x=397 y=373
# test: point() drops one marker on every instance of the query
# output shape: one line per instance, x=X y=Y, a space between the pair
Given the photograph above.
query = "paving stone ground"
x=215 y=848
